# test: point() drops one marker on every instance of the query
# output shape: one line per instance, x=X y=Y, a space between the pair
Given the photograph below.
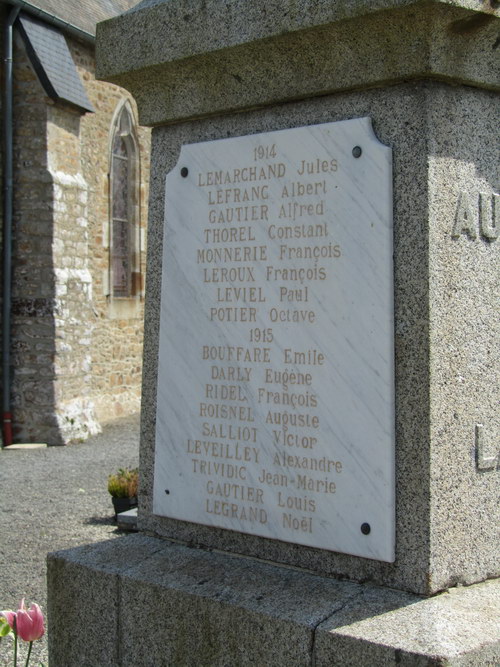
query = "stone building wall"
x=33 y=326
x=118 y=331
x=76 y=351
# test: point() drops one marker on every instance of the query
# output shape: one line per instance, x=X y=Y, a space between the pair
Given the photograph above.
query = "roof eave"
x=54 y=20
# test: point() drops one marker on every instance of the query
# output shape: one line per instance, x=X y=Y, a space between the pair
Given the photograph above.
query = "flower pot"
x=123 y=504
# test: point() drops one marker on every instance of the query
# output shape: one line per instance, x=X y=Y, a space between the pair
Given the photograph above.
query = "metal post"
x=7 y=226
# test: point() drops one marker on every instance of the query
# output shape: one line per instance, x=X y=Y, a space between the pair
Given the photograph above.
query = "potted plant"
x=123 y=489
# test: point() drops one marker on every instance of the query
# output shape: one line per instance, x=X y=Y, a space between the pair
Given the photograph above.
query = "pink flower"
x=28 y=624
x=10 y=617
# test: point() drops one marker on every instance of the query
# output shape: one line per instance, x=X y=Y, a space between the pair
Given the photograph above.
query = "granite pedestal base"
x=140 y=601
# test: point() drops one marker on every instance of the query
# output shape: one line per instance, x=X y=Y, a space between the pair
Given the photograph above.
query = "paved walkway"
x=53 y=499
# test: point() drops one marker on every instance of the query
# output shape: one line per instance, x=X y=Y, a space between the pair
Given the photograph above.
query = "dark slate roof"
x=52 y=61
x=82 y=14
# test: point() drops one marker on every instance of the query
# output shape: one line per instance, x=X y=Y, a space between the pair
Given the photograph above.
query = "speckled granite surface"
x=149 y=602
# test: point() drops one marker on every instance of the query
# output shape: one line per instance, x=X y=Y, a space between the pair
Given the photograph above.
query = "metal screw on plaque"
x=365 y=528
x=184 y=172
x=167 y=492
x=356 y=151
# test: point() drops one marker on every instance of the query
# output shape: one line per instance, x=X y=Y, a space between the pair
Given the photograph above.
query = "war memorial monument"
x=320 y=429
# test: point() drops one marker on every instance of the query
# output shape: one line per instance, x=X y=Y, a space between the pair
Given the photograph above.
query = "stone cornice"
x=186 y=60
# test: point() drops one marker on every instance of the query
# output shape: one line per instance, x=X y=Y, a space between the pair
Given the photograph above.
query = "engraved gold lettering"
x=329 y=251
x=294 y=210
x=294 y=439
x=244 y=175
x=233 y=373
x=233 y=275
x=317 y=166
x=229 y=432
x=296 y=419
x=235 y=491
x=224 y=450
x=240 y=294
x=273 y=478
x=300 y=503
x=312 y=357
x=225 y=392
x=235 y=353
x=234 y=511
x=305 y=400
x=238 y=214
x=285 y=378
x=322 y=464
x=219 y=469
x=292 y=315
x=298 y=275
x=294 y=294
x=303 y=524
x=300 y=189
x=305 y=483
x=297 y=231
x=233 y=314
x=229 y=254
x=240 y=413
x=238 y=195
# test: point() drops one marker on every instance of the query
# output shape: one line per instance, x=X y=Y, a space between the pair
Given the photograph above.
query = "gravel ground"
x=52 y=499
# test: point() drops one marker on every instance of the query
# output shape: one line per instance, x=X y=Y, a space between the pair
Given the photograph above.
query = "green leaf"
x=4 y=628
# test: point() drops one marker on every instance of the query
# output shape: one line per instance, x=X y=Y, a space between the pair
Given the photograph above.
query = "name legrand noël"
x=243 y=175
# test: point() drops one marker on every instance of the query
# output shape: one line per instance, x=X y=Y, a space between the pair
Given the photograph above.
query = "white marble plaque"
x=275 y=411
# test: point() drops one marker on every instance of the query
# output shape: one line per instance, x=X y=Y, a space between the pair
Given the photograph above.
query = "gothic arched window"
x=124 y=206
